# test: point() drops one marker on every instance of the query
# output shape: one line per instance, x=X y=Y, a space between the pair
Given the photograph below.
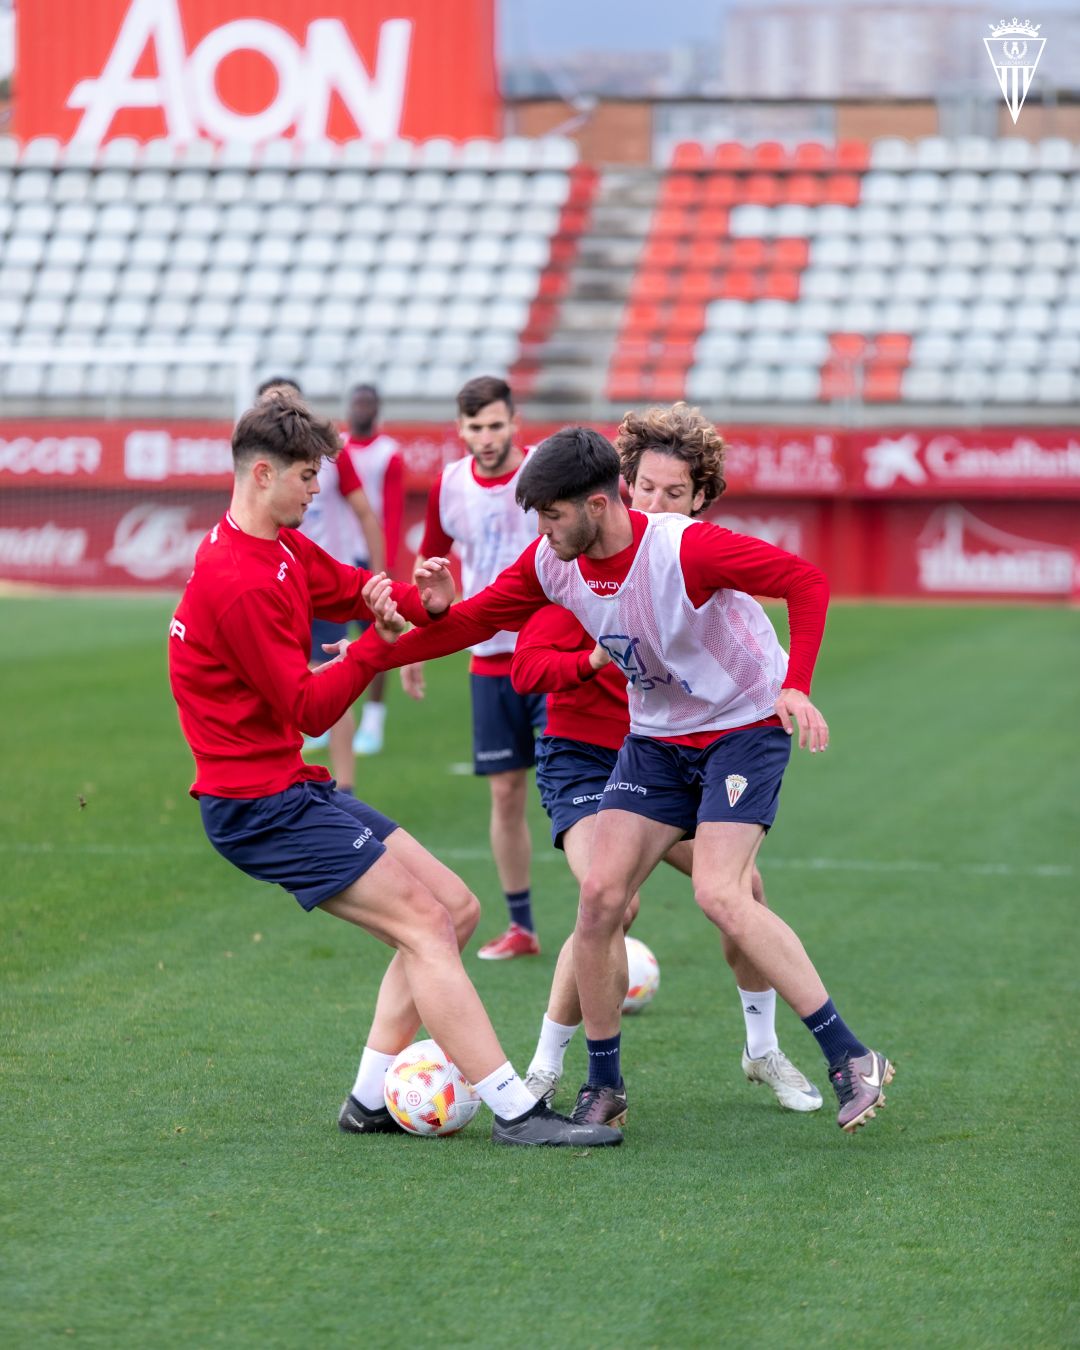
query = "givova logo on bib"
x=736 y=785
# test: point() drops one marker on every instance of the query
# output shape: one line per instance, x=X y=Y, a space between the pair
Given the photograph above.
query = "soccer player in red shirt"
x=472 y=504
x=588 y=721
x=238 y=664
x=713 y=701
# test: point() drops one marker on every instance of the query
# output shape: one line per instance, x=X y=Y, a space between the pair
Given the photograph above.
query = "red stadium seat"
x=804 y=189
x=791 y=254
x=748 y=253
x=673 y=222
x=769 y=155
x=720 y=189
x=842 y=189
x=779 y=285
x=697 y=284
x=892 y=349
x=681 y=189
x=812 y=155
x=762 y=189
x=737 y=285
x=847 y=346
x=689 y=155
x=854 y=155
x=662 y=252
x=712 y=220
x=642 y=318
x=686 y=319
x=731 y=155
x=666 y=384
x=652 y=284
x=882 y=384
x=708 y=251
x=838 y=381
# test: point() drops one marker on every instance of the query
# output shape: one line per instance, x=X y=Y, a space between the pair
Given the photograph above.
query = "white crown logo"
x=1019 y=27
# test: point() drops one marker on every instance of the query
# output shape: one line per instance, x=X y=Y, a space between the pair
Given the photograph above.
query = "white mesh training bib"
x=688 y=669
x=491 y=532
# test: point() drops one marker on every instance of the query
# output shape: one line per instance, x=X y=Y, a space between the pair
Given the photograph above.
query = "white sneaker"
x=315 y=742
x=543 y=1084
x=793 y=1089
x=366 y=742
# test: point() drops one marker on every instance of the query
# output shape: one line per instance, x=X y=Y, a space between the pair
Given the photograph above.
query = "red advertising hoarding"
x=917 y=513
x=254 y=70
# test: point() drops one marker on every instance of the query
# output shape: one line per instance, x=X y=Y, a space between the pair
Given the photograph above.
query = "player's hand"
x=435 y=582
x=412 y=680
x=339 y=649
x=377 y=596
x=599 y=657
x=813 y=729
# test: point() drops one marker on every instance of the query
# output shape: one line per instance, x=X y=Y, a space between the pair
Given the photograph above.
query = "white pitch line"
x=913 y=866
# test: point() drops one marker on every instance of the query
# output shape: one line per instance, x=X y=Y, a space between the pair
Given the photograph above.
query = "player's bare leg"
x=563 y=1015
x=511 y=847
x=724 y=857
x=396 y=907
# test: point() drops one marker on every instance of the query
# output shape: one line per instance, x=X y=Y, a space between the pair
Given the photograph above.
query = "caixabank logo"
x=231 y=71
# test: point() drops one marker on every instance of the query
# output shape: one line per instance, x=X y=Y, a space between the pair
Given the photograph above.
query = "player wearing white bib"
x=378 y=461
x=473 y=505
x=713 y=702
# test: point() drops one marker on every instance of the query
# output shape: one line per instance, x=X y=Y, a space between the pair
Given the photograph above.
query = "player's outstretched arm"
x=793 y=706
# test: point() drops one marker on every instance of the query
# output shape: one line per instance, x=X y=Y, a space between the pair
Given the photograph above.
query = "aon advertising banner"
x=254 y=70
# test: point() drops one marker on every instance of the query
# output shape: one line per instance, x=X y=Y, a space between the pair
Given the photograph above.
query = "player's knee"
x=430 y=923
x=508 y=793
x=601 y=906
x=757 y=887
x=631 y=912
x=465 y=912
x=726 y=907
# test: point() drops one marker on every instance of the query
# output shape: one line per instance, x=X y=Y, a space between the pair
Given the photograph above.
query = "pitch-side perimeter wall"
x=899 y=513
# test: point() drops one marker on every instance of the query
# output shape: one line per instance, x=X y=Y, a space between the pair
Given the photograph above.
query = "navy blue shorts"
x=736 y=778
x=311 y=839
x=325 y=630
x=505 y=724
x=571 y=776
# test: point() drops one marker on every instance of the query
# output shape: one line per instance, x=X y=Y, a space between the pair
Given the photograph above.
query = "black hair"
x=568 y=466
x=481 y=391
x=278 y=381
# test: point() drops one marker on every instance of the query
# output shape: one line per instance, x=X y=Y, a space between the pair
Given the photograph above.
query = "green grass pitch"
x=176 y=1039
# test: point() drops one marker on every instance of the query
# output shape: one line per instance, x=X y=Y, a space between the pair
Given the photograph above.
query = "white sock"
x=759 y=1014
x=368 y=1088
x=372 y=718
x=551 y=1047
x=505 y=1093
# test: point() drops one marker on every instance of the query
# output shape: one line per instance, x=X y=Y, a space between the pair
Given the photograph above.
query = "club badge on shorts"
x=736 y=786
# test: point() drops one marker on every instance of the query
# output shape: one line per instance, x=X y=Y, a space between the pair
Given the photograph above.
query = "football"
x=426 y=1093
x=644 y=976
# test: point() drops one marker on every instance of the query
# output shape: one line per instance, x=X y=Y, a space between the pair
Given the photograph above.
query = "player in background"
x=378 y=462
x=713 y=701
x=238 y=665
x=472 y=504
x=587 y=722
x=342 y=522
